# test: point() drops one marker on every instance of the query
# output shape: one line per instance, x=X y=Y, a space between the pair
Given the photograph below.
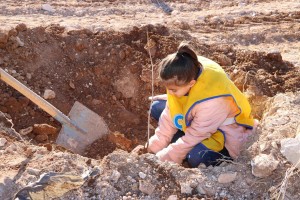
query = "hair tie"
x=180 y=54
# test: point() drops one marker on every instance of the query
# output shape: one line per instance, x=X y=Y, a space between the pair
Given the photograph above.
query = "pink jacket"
x=206 y=117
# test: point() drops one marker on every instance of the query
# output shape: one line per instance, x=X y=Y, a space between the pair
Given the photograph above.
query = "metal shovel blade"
x=92 y=125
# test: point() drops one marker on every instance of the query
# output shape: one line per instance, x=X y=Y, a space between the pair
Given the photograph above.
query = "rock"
x=223 y=60
x=41 y=138
x=72 y=85
x=185 y=188
x=16 y=42
x=11 y=148
x=96 y=102
x=49 y=94
x=290 y=148
x=2 y=142
x=128 y=117
x=3 y=40
x=120 y=140
x=8 y=183
x=263 y=165
x=26 y=131
x=115 y=176
x=200 y=189
x=146 y=187
x=172 y=197
x=44 y=129
x=122 y=54
x=215 y=20
x=48 y=7
x=127 y=84
x=274 y=55
x=12 y=32
x=227 y=177
x=182 y=25
x=21 y=27
x=33 y=171
x=142 y=175
x=28 y=76
x=81 y=44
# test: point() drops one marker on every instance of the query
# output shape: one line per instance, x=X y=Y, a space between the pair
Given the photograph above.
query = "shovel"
x=79 y=130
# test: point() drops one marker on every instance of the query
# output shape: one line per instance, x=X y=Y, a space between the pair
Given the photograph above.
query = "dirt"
x=96 y=52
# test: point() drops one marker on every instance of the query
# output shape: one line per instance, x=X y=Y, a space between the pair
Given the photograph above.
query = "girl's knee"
x=194 y=158
x=156 y=108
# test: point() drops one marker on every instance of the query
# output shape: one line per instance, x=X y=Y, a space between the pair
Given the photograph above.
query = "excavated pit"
x=110 y=73
x=97 y=56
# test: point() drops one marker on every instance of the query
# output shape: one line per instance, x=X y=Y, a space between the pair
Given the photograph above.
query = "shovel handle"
x=43 y=104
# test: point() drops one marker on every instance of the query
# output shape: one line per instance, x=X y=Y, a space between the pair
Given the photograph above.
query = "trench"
x=110 y=73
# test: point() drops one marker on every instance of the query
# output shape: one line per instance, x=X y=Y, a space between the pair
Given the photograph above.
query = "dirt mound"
x=123 y=175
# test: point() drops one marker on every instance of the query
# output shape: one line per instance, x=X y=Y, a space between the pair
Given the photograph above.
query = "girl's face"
x=180 y=91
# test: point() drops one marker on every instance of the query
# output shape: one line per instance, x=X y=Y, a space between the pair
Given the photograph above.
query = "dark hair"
x=180 y=67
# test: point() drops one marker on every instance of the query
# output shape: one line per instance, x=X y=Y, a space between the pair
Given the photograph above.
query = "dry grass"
x=279 y=193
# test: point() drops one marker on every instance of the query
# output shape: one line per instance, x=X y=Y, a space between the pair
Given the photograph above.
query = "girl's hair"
x=180 y=67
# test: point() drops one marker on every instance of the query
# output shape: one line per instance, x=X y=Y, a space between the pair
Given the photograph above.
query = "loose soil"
x=97 y=53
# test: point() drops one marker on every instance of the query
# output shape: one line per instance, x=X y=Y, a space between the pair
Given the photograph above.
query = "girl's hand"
x=159 y=97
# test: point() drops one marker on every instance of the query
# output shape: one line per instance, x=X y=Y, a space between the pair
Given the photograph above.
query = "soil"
x=97 y=53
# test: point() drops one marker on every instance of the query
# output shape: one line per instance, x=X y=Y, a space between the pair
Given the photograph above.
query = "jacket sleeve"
x=206 y=119
x=163 y=133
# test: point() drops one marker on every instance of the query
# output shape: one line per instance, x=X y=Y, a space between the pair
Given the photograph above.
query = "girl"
x=204 y=117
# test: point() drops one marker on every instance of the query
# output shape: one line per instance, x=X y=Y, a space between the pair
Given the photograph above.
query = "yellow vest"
x=212 y=83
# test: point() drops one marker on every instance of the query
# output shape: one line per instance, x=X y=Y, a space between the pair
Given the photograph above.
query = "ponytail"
x=180 y=67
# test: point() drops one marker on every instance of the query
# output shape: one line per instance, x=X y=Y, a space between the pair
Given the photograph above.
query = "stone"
x=21 y=27
x=223 y=60
x=227 y=177
x=96 y=102
x=2 y=142
x=142 y=175
x=274 y=55
x=26 y=131
x=47 y=7
x=128 y=117
x=72 y=85
x=172 y=197
x=263 y=165
x=44 y=129
x=115 y=176
x=146 y=187
x=185 y=188
x=19 y=42
x=3 y=40
x=41 y=138
x=49 y=94
x=290 y=148
x=33 y=171
x=127 y=84
x=12 y=32
x=120 y=140
x=8 y=183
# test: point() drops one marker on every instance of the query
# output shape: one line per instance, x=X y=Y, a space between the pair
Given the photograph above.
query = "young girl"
x=204 y=117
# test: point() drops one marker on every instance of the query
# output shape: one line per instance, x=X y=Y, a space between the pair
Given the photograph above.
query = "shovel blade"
x=93 y=125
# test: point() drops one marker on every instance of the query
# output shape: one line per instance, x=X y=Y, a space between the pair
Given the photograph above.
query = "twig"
x=280 y=191
x=152 y=90
x=246 y=76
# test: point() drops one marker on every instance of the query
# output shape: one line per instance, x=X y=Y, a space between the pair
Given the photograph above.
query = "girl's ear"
x=192 y=83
